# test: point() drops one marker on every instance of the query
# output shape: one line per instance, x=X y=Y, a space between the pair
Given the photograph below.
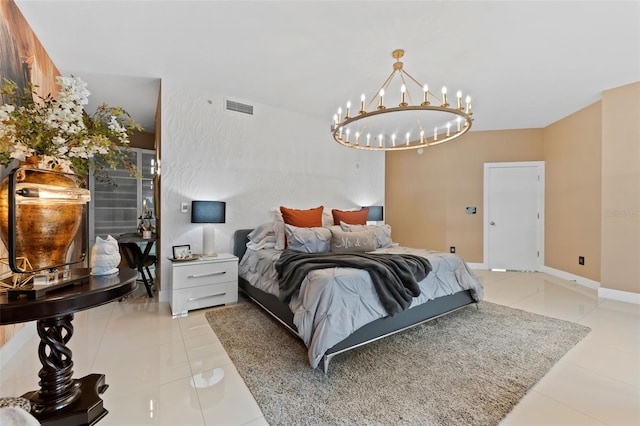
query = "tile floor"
x=160 y=370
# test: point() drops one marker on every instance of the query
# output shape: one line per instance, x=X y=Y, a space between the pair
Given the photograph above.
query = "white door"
x=514 y=222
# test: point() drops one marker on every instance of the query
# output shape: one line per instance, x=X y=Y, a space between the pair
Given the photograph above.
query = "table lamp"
x=208 y=212
x=375 y=213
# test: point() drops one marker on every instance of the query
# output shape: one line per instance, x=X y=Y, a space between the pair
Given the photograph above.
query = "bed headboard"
x=240 y=242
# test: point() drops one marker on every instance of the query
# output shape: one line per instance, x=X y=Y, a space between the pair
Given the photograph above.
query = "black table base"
x=86 y=410
x=61 y=399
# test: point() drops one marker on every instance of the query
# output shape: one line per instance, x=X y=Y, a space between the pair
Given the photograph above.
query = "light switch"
x=184 y=207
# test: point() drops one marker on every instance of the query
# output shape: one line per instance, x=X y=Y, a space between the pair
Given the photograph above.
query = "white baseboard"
x=571 y=277
x=619 y=295
x=17 y=342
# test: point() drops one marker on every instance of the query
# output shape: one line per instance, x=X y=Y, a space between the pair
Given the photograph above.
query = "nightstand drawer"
x=201 y=297
x=195 y=275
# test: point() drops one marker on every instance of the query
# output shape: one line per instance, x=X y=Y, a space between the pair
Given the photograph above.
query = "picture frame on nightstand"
x=182 y=251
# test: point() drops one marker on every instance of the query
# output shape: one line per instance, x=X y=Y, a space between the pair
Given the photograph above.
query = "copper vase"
x=44 y=230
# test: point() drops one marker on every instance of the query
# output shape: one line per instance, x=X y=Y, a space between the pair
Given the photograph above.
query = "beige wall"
x=426 y=195
x=573 y=171
x=620 y=253
x=592 y=201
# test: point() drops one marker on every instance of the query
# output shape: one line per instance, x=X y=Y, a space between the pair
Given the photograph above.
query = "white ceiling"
x=526 y=64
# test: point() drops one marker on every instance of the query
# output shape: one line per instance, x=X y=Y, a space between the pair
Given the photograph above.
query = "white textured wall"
x=275 y=157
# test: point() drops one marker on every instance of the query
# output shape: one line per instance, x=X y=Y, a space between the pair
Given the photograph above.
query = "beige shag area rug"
x=467 y=368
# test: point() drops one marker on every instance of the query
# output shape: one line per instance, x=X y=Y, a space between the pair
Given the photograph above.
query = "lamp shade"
x=375 y=213
x=208 y=211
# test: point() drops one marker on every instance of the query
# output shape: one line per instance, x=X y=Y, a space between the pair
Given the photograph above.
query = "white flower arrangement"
x=60 y=133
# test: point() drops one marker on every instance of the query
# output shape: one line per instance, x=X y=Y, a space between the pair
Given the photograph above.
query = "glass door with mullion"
x=116 y=206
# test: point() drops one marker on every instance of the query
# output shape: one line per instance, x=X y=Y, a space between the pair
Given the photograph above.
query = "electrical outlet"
x=452 y=249
x=581 y=260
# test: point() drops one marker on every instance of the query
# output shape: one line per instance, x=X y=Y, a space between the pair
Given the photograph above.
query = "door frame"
x=541 y=194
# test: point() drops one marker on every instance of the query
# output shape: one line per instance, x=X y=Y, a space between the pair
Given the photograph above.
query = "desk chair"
x=135 y=259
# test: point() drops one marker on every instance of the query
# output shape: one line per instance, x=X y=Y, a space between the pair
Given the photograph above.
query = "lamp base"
x=208 y=239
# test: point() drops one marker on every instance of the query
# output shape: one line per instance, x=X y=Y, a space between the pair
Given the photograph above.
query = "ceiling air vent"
x=239 y=107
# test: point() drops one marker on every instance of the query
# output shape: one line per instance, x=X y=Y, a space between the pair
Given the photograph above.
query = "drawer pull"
x=207 y=275
x=193 y=299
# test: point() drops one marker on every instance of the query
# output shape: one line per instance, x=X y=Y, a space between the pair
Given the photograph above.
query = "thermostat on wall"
x=471 y=210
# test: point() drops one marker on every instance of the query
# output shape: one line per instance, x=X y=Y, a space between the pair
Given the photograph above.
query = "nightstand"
x=202 y=283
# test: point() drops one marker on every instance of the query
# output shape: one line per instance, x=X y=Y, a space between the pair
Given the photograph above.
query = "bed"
x=337 y=309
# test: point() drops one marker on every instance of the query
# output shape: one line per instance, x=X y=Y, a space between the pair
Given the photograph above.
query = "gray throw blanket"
x=394 y=276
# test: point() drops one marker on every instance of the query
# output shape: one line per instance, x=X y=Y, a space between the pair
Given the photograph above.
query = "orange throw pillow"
x=310 y=218
x=357 y=217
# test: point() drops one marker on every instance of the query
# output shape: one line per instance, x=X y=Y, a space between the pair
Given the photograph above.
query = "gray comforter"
x=394 y=276
x=332 y=303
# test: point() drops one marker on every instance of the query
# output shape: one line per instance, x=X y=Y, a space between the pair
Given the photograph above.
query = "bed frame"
x=375 y=330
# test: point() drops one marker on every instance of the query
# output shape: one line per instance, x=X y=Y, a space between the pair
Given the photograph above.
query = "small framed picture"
x=182 y=252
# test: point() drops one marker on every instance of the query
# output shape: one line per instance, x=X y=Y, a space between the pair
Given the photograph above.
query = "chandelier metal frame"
x=453 y=122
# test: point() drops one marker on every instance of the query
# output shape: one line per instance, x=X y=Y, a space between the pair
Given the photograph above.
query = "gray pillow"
x=356 y=241
x=308 y=240
x=383 y=233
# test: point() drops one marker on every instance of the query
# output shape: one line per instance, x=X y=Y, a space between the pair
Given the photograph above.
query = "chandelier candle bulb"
x=380 y=104
x=459 y=95
x=340 y=134
x=425 y=101
x=444 y=97
x=368 y=139
x=407 y=138
x=403 y=90
x=380 y=139
x=358 y=137
x=468 y=100
x=435 y=133
x=458 y=120
x=347 y=140
x=421 y=136
x=348 y=110
x=362 y=111
x=393 y=139
x=448 y=130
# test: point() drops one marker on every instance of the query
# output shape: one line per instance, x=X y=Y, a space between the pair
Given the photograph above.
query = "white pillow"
x=383 y=233
x=261 y=232
x=267 y=242
x=308 y=240
x=278 y=228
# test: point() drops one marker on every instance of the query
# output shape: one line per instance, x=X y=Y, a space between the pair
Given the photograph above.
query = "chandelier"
x=409 y=125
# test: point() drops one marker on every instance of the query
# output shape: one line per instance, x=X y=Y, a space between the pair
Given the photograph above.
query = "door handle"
x=492 y=223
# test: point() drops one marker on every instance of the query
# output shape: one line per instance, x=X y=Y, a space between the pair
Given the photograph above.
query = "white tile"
x=174 y=403
x=161 y=370
x=605 y=360
x=257 y=422
x=194 y=325
x=559 y=302
x=129 y=371
x=612 y=315
x=627 y=342
x=607 y=400
x=228 y=401
x=536 y=409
